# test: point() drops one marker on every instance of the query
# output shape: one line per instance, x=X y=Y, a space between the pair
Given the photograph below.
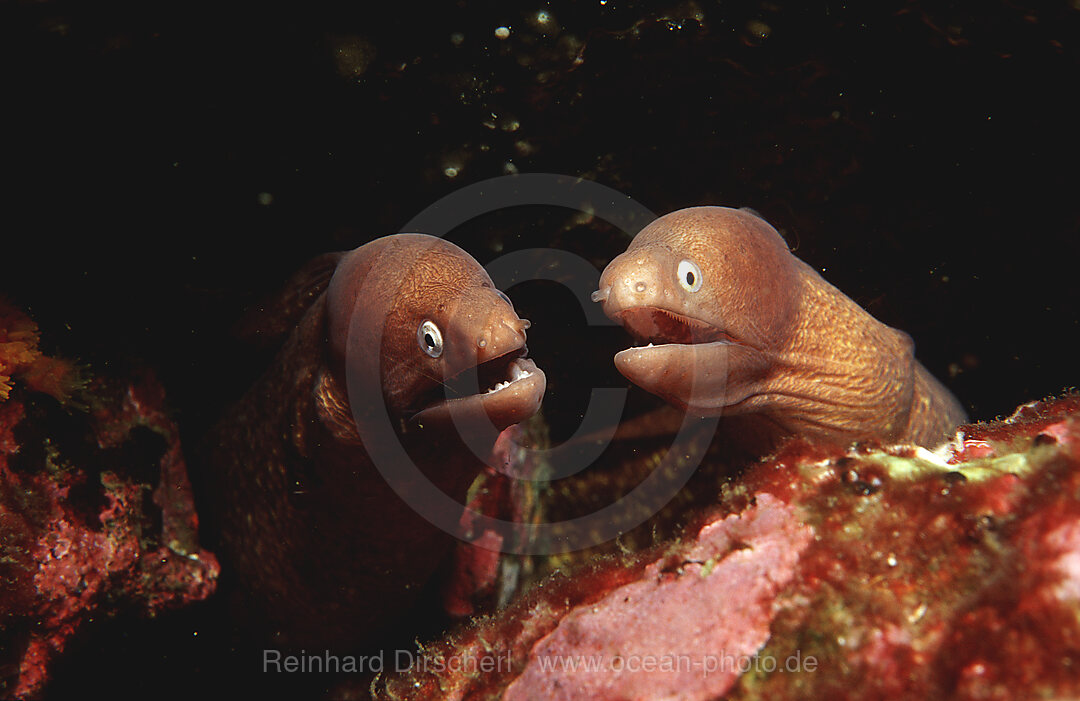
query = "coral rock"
x=77 y=536
x=875 y=572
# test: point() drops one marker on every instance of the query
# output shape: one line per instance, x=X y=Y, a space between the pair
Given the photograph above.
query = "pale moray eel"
x=738 y=326
x=320 y=544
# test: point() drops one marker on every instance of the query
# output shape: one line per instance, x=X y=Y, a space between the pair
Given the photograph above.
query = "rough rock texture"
x=877 y=572
x=713 y=599
x=96 y=514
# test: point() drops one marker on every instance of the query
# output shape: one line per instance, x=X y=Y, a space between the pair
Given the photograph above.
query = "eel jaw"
x=659 y=326
x=690 y=363
x=511 y=389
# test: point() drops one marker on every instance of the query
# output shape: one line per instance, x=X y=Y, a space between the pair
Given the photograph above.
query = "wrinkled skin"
x=741 y=327
x=324 y=550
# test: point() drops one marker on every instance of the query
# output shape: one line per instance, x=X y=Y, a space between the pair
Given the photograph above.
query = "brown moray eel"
x=742 y=327
x=323 y=550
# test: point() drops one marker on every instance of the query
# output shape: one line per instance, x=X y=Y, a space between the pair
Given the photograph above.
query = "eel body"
x=732 y=323
x=322 y=547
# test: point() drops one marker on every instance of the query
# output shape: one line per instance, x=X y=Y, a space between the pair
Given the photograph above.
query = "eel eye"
x=430 y=338
x=689 y=275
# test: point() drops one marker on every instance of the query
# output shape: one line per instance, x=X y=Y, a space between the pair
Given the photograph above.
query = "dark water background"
x=170 y=164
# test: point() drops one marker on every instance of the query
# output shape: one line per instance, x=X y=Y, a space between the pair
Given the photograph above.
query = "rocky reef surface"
x=876 y=572
x=96 y=510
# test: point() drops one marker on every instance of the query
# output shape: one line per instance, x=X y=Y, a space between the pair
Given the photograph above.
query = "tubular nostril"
x=518 y=326
x=640 y=286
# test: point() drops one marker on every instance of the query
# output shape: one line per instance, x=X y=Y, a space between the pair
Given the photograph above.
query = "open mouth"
x=487 y=383
x=653 y=325
x=492 y=376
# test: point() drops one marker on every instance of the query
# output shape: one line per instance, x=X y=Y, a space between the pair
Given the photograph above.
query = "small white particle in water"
x=543 y=17
x=450 y=171
x=502 y=32
x=509 y=168
x=265 y=198
x=457 y=38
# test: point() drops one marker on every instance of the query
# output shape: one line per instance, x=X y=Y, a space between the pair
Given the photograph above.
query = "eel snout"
x=489 y=376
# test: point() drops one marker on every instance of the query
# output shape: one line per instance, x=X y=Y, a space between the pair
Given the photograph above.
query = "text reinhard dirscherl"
x=325 y=662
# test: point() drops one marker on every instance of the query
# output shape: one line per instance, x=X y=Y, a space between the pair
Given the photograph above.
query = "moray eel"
x=323 y=550
x=738 y=326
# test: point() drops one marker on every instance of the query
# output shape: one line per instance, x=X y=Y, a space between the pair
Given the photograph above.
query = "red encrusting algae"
x=77 y=539
x=875 y=572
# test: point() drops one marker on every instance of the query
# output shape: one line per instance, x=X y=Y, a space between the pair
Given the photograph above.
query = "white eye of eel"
x=430 y=338
x=689 y=275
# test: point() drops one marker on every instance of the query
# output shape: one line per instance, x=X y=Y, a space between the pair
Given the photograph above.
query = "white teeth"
x=516 y=373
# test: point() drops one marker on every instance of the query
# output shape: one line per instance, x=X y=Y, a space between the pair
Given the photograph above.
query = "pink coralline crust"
x=1023 y=633
x=682 y=630
x=507 y=639
x=936 y=585
x=74 y=562
x=947 y=576
x=142 y=404
x=1062 y=549
x=1035 y=418
x=70 y=559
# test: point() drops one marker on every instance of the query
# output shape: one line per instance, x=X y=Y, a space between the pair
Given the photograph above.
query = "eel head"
x=431 y=336
x=707 y=293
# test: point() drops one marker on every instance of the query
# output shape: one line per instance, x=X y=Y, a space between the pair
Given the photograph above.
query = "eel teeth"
x=516 y=373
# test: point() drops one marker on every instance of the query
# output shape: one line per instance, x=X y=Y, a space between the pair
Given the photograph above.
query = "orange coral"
x=21 y=358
